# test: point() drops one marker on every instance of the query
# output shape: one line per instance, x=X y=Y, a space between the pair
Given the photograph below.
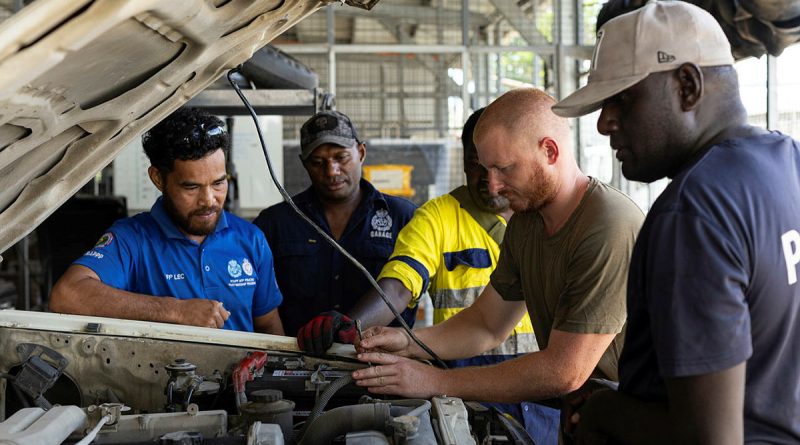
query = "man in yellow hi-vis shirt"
x=450 y=249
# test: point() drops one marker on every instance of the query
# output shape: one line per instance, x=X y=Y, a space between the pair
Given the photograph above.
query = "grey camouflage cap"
x=326 y=127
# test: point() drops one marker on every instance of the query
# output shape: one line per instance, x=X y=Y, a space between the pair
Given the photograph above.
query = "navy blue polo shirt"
x=315 y=277
x=148 y=254
x=713 y=282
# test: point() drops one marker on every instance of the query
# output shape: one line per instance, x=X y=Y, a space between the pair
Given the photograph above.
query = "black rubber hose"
x=342 y=420
x=323 y=400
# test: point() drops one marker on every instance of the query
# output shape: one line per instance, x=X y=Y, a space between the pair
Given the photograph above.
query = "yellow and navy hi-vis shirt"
x=445 y=251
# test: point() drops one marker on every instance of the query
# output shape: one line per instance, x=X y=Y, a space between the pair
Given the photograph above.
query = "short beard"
x=184 y=223
x=542 y=193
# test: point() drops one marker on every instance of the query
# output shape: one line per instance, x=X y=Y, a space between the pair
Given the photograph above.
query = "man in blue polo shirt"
x=186 y=261
x=313 y=276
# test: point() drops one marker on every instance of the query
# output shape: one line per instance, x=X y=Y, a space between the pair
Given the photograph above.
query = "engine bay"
x=128 y=382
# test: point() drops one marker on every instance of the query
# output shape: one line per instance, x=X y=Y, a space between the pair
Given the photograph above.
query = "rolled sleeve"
x=417 y=253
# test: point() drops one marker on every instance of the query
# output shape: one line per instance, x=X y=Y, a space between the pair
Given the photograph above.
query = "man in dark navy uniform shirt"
x=313 y=276
x=711 y=352
x=186 y=261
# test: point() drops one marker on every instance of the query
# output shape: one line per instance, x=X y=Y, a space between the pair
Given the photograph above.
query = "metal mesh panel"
x=482 y=7
x=482 y=19
x=494 y=73
x=590 y=9
x=399 y=23
x=544 y=19
x=395 y=95
x=456 y=175
x=392 y=95
x=515 y=22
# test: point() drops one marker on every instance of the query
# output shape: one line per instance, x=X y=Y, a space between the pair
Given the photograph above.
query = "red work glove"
x=318 y=335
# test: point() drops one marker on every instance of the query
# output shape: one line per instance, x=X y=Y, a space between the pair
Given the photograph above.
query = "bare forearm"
x=474 y=330
x=269 y=323
x=562 y=367
x=373 y=311
x=461 y=336
x=87 y=296
x=622 y=419
x=478 y=328
x=703 y=409
x=527 y=378
x=80 y=291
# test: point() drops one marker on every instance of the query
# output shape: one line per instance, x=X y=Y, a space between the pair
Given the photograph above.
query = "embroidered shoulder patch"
x=104 y=240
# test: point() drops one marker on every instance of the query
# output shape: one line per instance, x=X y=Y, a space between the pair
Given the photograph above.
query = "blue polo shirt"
x=313 y=276
x=148 y=254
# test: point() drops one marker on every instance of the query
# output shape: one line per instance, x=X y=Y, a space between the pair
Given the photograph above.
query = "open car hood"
x=80 y=79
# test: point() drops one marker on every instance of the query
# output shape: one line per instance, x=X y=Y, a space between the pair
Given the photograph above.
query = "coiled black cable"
x=322 y=233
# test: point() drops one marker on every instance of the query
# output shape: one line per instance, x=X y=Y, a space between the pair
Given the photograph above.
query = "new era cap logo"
x=665 y=58
x=600 y=35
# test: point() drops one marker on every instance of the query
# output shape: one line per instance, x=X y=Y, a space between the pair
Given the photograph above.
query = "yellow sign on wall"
x=392 y=179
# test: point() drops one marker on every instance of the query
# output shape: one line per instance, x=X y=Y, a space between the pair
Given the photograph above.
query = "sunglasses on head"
x=200 y=132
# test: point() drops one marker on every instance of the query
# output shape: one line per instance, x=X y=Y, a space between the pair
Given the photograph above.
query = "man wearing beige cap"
x=711 y=352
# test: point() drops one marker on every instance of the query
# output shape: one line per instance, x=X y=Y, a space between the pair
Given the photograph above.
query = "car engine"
x=78 y=380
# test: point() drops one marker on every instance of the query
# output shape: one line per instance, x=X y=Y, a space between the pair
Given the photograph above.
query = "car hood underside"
x=80 y=79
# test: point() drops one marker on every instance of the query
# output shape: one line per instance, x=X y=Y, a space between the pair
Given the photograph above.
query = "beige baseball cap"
x=659 y=36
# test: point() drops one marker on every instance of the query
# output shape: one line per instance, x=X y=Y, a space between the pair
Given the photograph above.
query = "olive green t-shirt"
x=575 y=280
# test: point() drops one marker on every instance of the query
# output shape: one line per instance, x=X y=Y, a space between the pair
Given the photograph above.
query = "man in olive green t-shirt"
x=564 y=258
x=575 y=279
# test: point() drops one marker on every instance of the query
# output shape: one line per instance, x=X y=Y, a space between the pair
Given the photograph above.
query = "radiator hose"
x=342 y=420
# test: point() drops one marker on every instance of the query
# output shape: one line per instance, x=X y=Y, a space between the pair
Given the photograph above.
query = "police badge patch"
x=381 y=225
x=234 y=269
x=247 y=267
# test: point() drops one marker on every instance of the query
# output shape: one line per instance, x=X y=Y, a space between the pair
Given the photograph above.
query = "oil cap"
x=266 y=395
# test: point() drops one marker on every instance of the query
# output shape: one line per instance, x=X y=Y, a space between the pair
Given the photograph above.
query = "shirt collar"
x=169 y=227
x=371 y=195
